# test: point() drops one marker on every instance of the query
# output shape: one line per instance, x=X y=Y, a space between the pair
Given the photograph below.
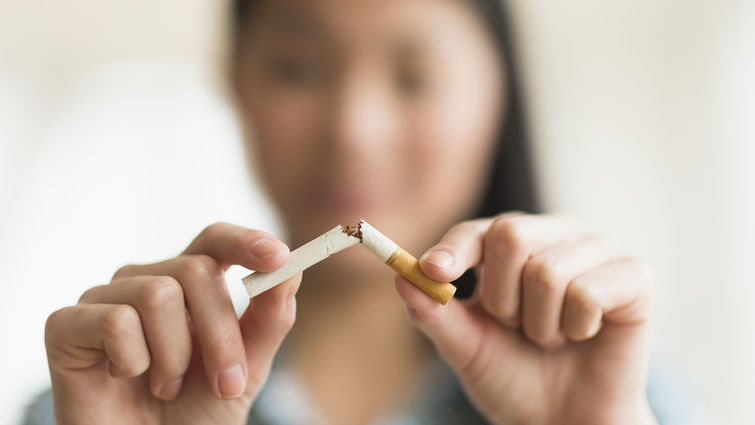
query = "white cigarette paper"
x=302 y=258
x=376 y=242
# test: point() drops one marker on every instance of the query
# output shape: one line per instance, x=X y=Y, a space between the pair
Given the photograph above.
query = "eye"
x=295 y=71
x=411 y=82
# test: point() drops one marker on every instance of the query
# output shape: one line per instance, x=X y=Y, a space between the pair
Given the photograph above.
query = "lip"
x=352 y=200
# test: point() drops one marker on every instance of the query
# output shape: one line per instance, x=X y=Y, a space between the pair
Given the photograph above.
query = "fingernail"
x=442 y=259
x=231 y=382
x=170 y=389
x=265 y=249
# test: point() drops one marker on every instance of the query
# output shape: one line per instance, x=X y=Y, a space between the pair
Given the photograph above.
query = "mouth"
x=351 y=200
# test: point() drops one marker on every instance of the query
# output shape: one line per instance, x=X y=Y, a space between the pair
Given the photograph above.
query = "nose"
x=364 y=117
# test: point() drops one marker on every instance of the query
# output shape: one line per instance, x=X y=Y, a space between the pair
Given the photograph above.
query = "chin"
x=352 y=271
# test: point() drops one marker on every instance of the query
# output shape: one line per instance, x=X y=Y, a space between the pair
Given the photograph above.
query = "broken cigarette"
x=340 y=238
x=304 y=257
x=404 y=263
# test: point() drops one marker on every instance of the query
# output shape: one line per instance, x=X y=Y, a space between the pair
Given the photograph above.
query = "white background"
x=117 y=145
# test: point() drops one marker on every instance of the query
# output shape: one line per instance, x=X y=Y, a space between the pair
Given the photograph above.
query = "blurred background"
x=118 y=144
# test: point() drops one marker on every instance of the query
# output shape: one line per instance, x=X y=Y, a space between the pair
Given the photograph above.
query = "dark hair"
x=511 y=184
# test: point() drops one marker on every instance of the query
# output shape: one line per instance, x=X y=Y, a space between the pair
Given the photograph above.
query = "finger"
x=264 y=324
x=228 y=244
x=545 y=277
x=82 y=336
x=451 y=328
x=620 y=292
x=159 y=301
x=212 y=318
x=508 y=244
x=458 y=250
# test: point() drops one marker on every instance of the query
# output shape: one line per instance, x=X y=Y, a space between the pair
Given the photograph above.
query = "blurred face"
x=378 y=109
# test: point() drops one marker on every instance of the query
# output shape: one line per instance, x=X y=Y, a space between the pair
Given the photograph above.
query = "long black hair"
x=511 y=185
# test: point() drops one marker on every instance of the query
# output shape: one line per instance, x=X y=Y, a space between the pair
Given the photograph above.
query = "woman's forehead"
x=366 y=21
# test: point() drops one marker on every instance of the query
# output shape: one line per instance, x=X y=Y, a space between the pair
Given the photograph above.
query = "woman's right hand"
x=161 y=343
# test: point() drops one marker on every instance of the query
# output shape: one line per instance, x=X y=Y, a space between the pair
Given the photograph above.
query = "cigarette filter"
x=404 y=263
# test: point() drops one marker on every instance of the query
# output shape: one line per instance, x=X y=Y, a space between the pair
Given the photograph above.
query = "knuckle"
x=247 y=241
x=584 y=328
x=202 y=266
x=550 y=277
x=287 y=321
x=54 y=322
x=583 y=297
x=158 y=291
x=135 y=366
x=575 y=334
x=507 y=232
x=276 y=320
x=89 y=295
x=120 y=320
x=213 y=229
x=578 y=333
x=127 y=270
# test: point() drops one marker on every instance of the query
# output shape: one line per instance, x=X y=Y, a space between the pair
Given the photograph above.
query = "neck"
x=352 y=345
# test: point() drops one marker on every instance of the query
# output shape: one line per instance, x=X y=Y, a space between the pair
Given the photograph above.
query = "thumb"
x=264 y=325
x=455 y=330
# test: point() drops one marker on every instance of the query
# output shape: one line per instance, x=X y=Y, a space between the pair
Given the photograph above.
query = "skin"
x=128 y=347
x=387 y=110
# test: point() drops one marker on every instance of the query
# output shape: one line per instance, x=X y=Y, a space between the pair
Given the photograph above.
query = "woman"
x=404 y=113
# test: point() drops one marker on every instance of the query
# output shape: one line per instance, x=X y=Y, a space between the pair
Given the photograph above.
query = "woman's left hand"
x=557 y=330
